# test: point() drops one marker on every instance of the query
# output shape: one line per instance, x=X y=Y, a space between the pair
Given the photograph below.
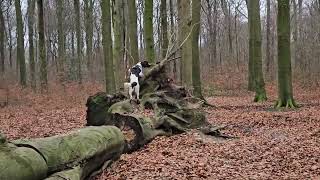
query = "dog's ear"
x=145 y=64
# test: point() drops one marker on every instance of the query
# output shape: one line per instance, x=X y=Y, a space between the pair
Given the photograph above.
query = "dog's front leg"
x=137 y=90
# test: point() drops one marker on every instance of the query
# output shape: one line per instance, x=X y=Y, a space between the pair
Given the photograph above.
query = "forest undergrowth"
x=270 y=144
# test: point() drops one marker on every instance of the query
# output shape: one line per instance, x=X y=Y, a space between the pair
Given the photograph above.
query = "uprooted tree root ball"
x=170 y=110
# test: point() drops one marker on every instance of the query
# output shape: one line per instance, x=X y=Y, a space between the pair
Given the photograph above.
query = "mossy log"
x=77 y=155
x=170 y=110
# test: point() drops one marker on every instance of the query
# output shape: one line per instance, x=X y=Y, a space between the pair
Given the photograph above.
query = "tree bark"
x=255 y=50
x=42 y=47
x=76 y=4
x=20 y=44
x=164 y=28
x=269 y=59
x=88 y=11
x=31 y=7
x=148 y=30
x=285 y=92
x=61 y=40
x=118 y=51
x=2 y=42
x=184 y=31
x=196 y=75
x=132 y=28
x=107 y=46
x=77 y=154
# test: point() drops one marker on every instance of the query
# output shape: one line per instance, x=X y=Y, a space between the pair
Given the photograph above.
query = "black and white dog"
x=136 y=72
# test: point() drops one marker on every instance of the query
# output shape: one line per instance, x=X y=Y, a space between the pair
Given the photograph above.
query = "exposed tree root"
x=290 y=103
x=260 y=97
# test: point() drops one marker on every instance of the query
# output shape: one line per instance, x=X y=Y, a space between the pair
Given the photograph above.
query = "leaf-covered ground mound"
x=270 y=144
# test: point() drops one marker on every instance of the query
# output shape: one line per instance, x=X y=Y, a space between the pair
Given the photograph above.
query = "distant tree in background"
x=285 y=92
x=20 y=44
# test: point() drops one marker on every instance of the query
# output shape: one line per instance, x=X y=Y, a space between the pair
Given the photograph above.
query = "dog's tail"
x=133 y=84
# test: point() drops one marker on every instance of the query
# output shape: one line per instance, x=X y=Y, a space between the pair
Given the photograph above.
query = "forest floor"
x=269 y=145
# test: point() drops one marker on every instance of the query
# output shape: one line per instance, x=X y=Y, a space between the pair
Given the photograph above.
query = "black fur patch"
x=133 y=84
x=135 y=70
x=145 y=64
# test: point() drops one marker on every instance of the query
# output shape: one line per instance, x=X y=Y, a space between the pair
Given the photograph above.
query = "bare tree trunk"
x=268 y=46
x=20 y=44
x=118 y=51
x=164 y=28
x=185 y=28
x=107 y=46
x=61 y=41
x=132 y=28
x=42 y=48
x=2 y=40
x=88 y=10
x=285 y=98
x=148 y=30
x=196 y=75
x=31 y=7
x=76 y=4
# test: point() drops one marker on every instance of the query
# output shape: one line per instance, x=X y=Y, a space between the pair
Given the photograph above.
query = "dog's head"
x=145 y=64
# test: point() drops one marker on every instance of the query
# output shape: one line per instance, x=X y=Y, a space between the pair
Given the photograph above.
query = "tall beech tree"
x=88 y=21
x=42 y=47
x=107 y=46
x=255 y=58
x=2 y=42
x=132 y=28
x=196 y=77
x=76 y=5
x=184 y=31
x=148 y=30
x=61 y=39
x=118 y=49
x=31 y=7
x=20 y=44
x=164 y=28
x=285 y=92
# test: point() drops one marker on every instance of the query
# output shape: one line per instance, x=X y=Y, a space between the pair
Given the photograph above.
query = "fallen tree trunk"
x=170 y=110
x=88 y=148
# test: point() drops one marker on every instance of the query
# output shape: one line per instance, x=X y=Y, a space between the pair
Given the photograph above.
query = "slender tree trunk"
x=255 y=49
x=196 y=75
x=42 y=47
x=251 y=85
x=2 y=40
x=107 y=46
x=118 y=51
x=61 y=40
x=88 y=10
x=164 y=28
x=295 y=33
x=148 y=30
x=79 y=39
x=185 y=28
x=215 y=22
x=31 y=7
x=20 y=44
x=210 y=27
x=285 y=92
x=132 y=28
x=268 y=46
x=172 y=27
